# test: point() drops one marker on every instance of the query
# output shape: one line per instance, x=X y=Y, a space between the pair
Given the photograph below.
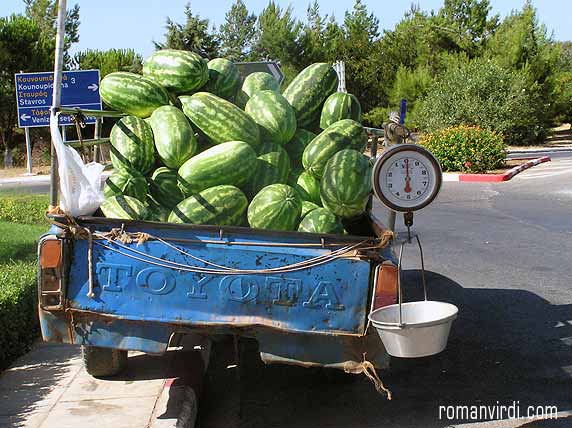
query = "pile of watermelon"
x=200 y=145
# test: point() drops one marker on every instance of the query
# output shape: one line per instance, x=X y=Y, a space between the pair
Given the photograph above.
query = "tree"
x=193 y=36
x=23 y=47
x=322 y=37
x=108 y=61
x=237 y=33
x=361 y=34
x=44 y=13
x=466 y=24
x=522 y=43
x=278 y=38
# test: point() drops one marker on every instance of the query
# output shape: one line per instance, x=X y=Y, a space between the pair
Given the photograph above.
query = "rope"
x=367 y=369
x=90 y=292
x=121 y=238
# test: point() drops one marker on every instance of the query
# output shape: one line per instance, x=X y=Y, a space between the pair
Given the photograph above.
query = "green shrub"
x=466 y=148
x=23 y=209
x=18 y=310
x=482 y=93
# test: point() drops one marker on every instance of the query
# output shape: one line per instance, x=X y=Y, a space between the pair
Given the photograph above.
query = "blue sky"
x=136 y=23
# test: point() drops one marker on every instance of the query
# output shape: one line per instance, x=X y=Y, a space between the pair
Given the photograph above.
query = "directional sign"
x=246 y=68
x=34 y=96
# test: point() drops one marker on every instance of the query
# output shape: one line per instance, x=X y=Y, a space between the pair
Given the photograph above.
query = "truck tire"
x=103 y=362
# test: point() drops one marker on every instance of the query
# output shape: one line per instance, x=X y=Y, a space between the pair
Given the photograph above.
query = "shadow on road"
x=506 y=346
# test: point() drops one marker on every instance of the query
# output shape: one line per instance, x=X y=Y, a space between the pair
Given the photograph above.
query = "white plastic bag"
x=80 y=185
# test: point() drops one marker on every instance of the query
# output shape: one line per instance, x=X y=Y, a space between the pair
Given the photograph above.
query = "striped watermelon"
x=307 y=206
x=224 y=78
x=176 y=70
x=272 y=166
x=276 y=207
x=220 y=205
x=295 y=147
x=220 y=120
x=274 y=116
x=338 y=106
x=344 y=134
x=346 y=184
x=233 y=163
x=132 y=145
x=321 y=220
x=126 y=182
x=308 y=91
x=163 y=187
x=307 y=186
x=254 y=82
x=132 y=94
x=174 y=138
x=156 y=211
x=124 y=207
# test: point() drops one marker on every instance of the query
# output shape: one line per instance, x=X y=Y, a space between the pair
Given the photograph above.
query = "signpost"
x=34 y=99
x=271 y=67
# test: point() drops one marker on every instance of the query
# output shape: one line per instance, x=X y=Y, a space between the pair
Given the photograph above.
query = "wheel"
x=103 y=362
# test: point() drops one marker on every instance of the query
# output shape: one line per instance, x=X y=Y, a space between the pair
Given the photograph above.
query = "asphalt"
x=501 y=253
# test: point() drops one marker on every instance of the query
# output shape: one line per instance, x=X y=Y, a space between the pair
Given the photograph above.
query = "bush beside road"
x=21 y=225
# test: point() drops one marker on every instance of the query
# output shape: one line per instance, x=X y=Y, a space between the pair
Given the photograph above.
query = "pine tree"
x=278 y=35
x=193 y=36
x=44 y=13
x=237 y=33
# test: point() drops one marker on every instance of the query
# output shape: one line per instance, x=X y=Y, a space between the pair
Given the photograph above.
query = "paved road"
x=499 y=251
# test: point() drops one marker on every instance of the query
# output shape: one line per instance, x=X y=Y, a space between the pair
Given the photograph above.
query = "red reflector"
x=51 y=254
x=385 y=286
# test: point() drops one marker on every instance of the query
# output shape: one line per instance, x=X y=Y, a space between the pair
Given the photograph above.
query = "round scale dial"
x=407 y=177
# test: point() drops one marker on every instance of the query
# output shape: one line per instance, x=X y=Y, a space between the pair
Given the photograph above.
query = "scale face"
x=407 y=178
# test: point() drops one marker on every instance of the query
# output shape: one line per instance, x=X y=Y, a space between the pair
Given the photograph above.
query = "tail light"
x=385 y=285
x=50 y=274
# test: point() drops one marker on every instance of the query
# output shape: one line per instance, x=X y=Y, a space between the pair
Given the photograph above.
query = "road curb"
x=539 y=150
x=494 y=178
x=176 y=407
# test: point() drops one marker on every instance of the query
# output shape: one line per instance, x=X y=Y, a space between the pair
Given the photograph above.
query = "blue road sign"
x=34 y=96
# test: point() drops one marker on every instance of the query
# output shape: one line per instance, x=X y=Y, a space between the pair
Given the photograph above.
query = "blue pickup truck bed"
x=304 y=297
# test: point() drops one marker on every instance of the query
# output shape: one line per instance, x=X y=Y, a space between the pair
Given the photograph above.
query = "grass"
x=21 y=225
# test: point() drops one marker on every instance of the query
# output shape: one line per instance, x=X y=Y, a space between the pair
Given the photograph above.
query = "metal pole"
x=57 y=94
x=97 y=149
x=28 y=151
x=64 y=133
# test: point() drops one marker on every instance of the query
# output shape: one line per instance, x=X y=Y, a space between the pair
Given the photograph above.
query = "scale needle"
x=407 y=177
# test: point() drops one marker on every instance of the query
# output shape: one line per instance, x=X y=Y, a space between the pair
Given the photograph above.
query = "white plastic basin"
x=425 y=331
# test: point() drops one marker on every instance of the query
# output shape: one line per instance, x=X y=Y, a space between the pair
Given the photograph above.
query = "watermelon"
x=156 y=211
x=307 y=206
x=346 y=183
x=233 y=163
x=132 y=94
x=126 y=182
x=174 y=138
x=219 y=119
x=338 y=106
x=321 y=220
x=163 y=187
x=224 y=78
x=295 y=147
x=219 y=205
x=276 y=207
x=254 y=82
x=308 y=91
x=307 y=186
x=132 y=145
x=272 y=166
x=176 y=70
x=124 y=207
x=274 y=115
x=344 y=134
